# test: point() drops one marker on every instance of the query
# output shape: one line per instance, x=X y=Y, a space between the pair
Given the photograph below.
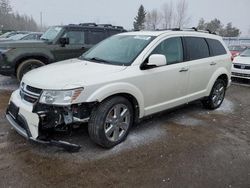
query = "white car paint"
x=239 y=66
x=155 y=89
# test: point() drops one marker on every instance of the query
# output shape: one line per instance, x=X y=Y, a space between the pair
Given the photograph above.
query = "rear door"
x=201 y=66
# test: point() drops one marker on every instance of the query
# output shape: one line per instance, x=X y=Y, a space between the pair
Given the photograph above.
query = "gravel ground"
x=185 y=147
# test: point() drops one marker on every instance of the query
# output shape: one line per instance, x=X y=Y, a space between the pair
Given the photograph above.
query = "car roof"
x=173 y=32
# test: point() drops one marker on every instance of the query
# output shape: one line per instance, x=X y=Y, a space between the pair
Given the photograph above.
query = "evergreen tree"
x=140 y=19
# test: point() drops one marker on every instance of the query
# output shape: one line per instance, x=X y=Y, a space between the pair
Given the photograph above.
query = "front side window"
x=75 y=37
x=172 y=49
x=197 y=48
x=118 y=49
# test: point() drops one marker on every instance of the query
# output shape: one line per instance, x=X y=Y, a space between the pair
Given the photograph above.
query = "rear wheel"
x=27 y=66
x=110 y=122
x=217 y=95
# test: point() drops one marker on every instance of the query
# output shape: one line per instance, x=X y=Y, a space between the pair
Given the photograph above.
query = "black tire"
x=27 y=66
x=217 y=95
x=99 y=123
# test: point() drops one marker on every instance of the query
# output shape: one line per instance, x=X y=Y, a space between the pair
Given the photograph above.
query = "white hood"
x=69 y=74
x=242 y=60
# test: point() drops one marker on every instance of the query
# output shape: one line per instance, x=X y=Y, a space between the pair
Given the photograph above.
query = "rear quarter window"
x=216 y=48
x=196 y=48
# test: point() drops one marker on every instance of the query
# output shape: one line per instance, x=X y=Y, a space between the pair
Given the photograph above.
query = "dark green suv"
x=57 y=44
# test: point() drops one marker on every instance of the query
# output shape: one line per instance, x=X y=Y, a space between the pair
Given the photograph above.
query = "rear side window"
x=216 y=48
x=94 y=37
x=196 y=47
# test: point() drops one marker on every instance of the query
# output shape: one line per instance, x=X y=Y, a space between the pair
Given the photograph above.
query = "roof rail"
x=88 y=24
x=105 y=25
x=195 y=29
x=101 y=25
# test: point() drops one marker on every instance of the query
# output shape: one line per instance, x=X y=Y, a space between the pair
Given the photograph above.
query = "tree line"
x=14 y=21
x=176 y=16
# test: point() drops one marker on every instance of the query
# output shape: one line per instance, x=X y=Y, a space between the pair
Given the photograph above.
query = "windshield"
x=6 y=35
x=237 y=48
x=51 y=33
x=246 y=53
x=118 y=50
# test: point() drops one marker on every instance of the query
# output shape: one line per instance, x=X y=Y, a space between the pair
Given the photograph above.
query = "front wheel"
x=217 y=95
x=110 y=122
x=27 y=66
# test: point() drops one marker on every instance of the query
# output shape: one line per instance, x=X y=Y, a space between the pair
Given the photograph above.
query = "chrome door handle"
x=213 y=63
x=184 y=70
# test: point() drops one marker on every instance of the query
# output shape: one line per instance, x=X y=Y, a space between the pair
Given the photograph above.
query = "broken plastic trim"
x=26 y=133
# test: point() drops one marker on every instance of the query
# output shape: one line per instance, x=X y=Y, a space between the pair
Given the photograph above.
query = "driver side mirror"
x=157 y=60
x=64 y=41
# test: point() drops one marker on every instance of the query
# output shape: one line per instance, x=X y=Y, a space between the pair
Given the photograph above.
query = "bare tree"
x=168 y=15
x=182 y=17
x=14 y=21
x=153 y=19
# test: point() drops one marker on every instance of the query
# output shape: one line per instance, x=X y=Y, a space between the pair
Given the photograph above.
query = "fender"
x=27 y=55
x=118 y=88
x=220 y=71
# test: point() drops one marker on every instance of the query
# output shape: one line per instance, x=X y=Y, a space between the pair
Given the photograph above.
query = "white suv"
x=119 y=81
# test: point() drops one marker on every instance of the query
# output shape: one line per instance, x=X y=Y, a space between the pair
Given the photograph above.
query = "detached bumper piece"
x=20 y=125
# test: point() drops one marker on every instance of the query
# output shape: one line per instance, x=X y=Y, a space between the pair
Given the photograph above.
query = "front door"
x=74 y=49
x=166 y=86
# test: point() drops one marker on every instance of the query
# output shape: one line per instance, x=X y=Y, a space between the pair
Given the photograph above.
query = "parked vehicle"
x=236 y=50
x=28 y=36
x=119 y=81
x=12 y=33
x=241 y=65
x=58 y=43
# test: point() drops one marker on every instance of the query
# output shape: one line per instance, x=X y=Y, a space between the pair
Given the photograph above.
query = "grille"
x=29 y=93
x=241 y=74
x=33 y=89
x=242 y=66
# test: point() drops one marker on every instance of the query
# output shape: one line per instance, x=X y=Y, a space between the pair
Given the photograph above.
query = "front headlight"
x=60 y=97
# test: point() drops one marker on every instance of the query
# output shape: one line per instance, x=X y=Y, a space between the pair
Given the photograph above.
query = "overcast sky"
x=122 y=12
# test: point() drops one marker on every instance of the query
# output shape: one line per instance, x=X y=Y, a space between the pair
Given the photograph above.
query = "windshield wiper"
x=44 y=39
x=98 y=60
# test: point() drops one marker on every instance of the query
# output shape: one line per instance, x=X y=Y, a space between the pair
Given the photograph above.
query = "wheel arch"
x=41 y=57
x=221 y=73
x=126 y=90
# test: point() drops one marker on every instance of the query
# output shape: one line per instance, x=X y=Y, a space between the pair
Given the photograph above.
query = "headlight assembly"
x=60 y=97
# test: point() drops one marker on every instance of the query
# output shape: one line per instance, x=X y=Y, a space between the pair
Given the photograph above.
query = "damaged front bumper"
x=26 y=118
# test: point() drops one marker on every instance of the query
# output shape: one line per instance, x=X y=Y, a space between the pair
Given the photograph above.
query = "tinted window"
x=75 y=37
x=196 y=47
x=172 y=49
x=216 y=48
x=94 y=37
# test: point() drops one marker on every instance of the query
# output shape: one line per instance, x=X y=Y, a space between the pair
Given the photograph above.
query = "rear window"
x=197 y=48
x=216 y=48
